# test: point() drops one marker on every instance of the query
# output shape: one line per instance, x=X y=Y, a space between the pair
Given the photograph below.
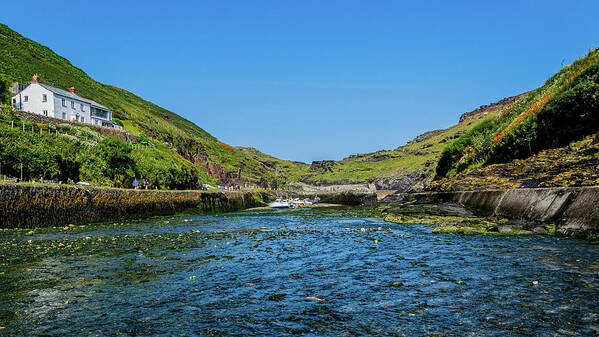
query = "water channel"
x=334 y=272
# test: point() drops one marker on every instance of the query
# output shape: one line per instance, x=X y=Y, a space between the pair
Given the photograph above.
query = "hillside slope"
x=409 y=167
x=179 y=138
x=520 y=141
x=545 y=138
x=574 y=165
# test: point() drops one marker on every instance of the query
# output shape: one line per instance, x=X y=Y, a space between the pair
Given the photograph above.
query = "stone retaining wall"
x=49 y=205
x=350 y=198
x=575 y=210
x=353 y=195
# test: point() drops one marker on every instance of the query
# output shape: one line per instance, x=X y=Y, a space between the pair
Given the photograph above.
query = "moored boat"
x=279 y=203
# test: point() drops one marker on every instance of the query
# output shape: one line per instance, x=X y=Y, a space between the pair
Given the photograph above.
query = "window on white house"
x=82 y=107
x=82 y=119
x=64 y=102
x=45 y=113
x=44 y=98
x=26 y=99
x=72 y=105
x=14 y=100
x=64 y=115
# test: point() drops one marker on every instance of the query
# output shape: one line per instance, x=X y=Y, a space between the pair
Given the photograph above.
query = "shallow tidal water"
x=297 y=272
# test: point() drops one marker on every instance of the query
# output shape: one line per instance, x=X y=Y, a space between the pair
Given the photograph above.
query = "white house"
x=44 y=99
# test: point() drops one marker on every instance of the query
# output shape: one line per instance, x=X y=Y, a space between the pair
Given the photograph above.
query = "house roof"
x=71 y=95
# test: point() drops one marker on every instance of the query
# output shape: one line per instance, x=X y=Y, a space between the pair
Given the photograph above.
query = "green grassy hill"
x=408 y=167
x=284 y=170
x=182 y=155
x=541 y=125
x=182 y=148
x=535 y=139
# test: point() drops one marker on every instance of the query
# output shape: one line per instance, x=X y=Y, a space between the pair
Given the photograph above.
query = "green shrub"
x=42 y=155
x=453 y=152
x=117 y=121
x=116 y=153
x=519 y=143
x=165 y=171
x=572 y=114
x=143 y=140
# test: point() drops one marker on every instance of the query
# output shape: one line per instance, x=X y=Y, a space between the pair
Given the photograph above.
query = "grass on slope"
x=284 y=170
x=563 y=110
x=419 y=155
x=20 y=58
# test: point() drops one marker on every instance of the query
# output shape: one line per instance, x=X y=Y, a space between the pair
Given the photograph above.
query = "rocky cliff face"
x=412 y=182
x=408 y=168
x=485 y=109
x=574 y=165
x=322 y=166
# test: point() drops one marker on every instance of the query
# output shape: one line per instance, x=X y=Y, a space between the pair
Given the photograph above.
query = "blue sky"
x=311 y=80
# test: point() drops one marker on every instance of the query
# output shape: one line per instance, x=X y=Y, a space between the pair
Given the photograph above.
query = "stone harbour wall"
x=50 y=205
x=349 y=198
x=574 y=210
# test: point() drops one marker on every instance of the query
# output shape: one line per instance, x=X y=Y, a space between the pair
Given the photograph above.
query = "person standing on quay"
x=135 y=183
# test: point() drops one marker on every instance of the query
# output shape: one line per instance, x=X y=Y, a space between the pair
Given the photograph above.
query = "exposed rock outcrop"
x=425 y=136
x=322 y=166
x=412 y=182
x=484 y=109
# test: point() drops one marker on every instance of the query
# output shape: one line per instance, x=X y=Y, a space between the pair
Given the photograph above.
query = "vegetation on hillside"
x=418 y=157
x=283 y=170
x=175 y=137
x=564 y=109
x=178 y=154
x=574 y=165
x=72 y=153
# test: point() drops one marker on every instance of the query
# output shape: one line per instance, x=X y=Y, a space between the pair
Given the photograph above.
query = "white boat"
x=279 y=203
x=301 y=203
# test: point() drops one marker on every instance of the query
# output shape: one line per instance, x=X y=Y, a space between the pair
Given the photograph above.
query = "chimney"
x=72 y=89
x=35 y=78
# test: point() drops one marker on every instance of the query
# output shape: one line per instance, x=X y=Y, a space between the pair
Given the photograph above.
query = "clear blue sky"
x=311 y=80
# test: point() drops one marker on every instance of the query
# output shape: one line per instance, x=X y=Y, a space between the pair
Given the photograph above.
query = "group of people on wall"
x=135 y=184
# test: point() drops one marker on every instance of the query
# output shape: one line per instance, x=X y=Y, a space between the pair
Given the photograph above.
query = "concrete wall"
x=575 y=210
x=38 y=206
